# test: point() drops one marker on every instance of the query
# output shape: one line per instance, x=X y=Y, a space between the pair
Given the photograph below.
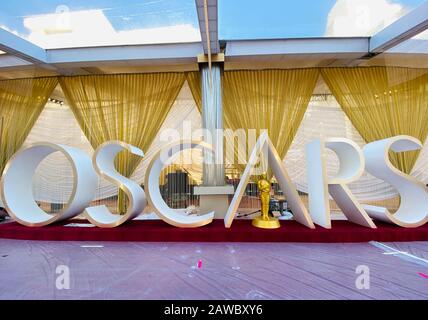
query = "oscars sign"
x=17 y=196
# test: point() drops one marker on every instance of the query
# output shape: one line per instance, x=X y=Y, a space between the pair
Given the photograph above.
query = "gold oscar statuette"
x=264 y=221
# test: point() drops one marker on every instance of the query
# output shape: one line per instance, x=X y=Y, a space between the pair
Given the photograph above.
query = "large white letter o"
x=17 y=191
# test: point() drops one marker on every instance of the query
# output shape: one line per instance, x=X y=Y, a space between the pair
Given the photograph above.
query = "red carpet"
x=241 y=231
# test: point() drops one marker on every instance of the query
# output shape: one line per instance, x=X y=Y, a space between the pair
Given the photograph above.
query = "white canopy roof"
x=115 y=36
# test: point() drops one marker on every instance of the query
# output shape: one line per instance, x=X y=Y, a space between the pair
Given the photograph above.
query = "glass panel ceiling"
x=416 y=44
x=82 y=23
x=267 y=19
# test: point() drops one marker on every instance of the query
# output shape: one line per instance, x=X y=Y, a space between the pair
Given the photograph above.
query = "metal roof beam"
x=212 y=25
x=404 y=28
x=21 y=48
x=88 y=56
x=242 y=48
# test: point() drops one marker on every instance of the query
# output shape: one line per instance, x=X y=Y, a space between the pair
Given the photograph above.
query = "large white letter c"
x=154 y=196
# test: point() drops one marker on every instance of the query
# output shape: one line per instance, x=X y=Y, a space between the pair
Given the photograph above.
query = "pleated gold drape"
x=194 y=81
x=129 y=108
x=275 y=100
x=21 y=102
x=382 y=102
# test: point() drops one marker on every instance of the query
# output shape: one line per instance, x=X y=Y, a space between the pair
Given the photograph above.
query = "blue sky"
x=242 y=19
x=238 y=19
x=273 y=18
x=122 y=14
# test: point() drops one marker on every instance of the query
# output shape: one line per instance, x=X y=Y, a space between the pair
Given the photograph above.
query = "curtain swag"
x=21 y=102
x=129 y=108
x=382 y=102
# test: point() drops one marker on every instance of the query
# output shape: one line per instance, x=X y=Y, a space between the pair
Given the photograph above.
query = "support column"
x=213 y=193
x=212 y=119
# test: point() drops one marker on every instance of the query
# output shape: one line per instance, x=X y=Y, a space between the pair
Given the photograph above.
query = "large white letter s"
x=103 y=161
x=413 y=209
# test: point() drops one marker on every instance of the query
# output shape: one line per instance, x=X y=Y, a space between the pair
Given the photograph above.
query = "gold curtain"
x=128 y=107
x=275 y=100
x=21 y=102
x=194 y=81
x=382 y=102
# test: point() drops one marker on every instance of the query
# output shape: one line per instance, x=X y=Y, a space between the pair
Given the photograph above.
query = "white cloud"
x=422 y=36
x=92 y=28
x=361 y=18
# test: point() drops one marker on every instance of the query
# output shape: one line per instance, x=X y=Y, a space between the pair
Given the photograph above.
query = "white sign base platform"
x=214 y=198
